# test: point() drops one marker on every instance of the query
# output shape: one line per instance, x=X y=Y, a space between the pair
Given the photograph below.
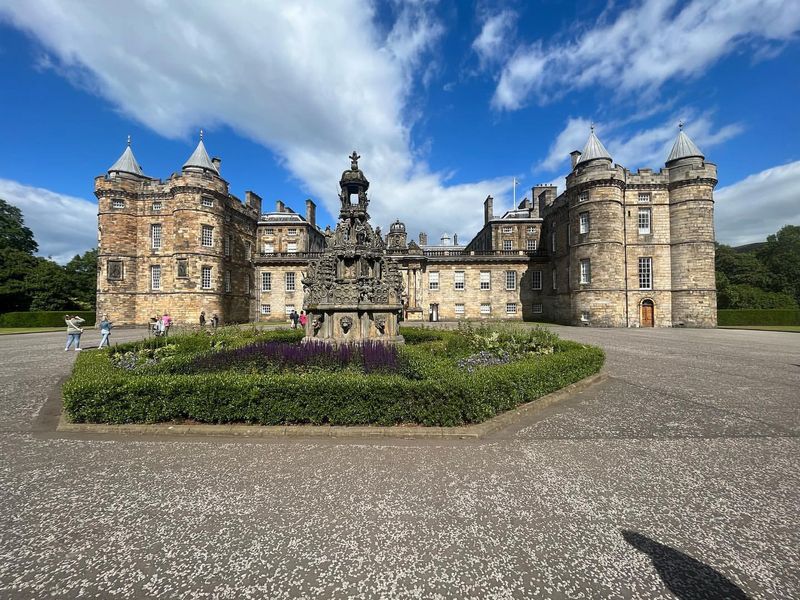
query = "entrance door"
x=648 y=310
x=434 y=312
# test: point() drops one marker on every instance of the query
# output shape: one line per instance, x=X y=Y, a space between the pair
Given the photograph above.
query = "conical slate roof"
x=684 y=147
x=593 y=149
x=200 y=159
x=127 y=163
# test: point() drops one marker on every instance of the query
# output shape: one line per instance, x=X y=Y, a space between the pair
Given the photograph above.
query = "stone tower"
x=691 y=209
x=353 y=293
x=397 y=238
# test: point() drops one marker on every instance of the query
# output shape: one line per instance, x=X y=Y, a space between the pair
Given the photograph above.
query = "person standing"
x=202 y=319
x=303 y=319
x=74 y=332
x=294 y=317
x=214 y=321
x=105 y=331
x=166 y=323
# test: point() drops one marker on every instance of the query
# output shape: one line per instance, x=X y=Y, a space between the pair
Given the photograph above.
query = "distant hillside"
x=749 y=247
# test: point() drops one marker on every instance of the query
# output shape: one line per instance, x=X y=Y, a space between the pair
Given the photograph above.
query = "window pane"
x=536 y=280
x=511 y=308
x=155 y=235
x=508 y=245
x=486 y=281
x=433 y=280
x=290 y=284
x=644 y=220
x=266 y=309
x=205 y=278
x=207 y=237
x=266 y=281
x=511 y=280
x=645 y=273
x=459 y=280
x=155 y=277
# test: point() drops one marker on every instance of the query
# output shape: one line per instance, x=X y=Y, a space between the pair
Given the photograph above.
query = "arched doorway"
x=647 y=313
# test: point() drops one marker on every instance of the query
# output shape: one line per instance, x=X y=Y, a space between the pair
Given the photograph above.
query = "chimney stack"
x=311 y=213
x=488 y=209
x=280 y=206
x=423 y=239
x=253 y=200
x=217 y=162
x=575 y=155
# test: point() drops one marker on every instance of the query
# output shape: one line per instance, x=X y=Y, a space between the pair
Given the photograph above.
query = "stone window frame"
x=290 y=281
x=555 y=278
x=486 y=308
x=227 y=281
x=155 y=236
x=583 y=222
x=536 y=280
x=645 y=272
x=536 y=308
x=583 y=197
x=266 y=281
x=508 y=245
x=117 y=203
x=553 y=240
x=457 y=283
x=507 y=229
x=182 y=262
x=288 y=308
x=207 y=201
x=248 y=251
x=248 y=284
x=510 y=280
x=511 y=308
x=206 y=277
x=207 y=236
x=486 y=285
x=291 y=247
x=292 y=231
x=433 y=280
x=267 y=248
x=585 y=316
x=155 y=277
x=532 y=245
x=269 y=231
x=459 y=309
x=266 y=309
x=646 y=223
x=585 y=271
x=227 y=244
x=156 y=206
x=644 y=198
x=111 y=270
x=531 y=230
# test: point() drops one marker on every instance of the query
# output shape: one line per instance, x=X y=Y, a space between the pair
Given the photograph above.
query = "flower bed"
x=439 y=377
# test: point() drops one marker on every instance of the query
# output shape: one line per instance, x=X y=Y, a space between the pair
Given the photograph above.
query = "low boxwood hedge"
x=732 y=317
x=446 y=395
x=43 y=318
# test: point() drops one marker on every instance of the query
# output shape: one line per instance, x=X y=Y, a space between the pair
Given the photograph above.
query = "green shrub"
x=438 y=393
x=420 y=335
x=44 y=318
x=732 y=317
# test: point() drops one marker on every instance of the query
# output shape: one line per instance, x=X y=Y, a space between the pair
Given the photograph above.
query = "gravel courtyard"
x=679 y=476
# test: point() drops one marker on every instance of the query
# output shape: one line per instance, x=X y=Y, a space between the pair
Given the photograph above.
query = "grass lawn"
x=764 y=327
x=11 y=330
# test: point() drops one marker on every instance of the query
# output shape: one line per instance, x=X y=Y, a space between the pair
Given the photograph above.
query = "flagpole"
x=514 y=185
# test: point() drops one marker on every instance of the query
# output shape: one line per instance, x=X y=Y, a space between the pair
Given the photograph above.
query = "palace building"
x=615 y=249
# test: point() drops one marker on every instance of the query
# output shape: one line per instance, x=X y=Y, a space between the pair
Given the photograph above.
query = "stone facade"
x=615 y=249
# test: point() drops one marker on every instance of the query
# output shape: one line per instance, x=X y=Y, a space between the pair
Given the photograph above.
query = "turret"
x=126 y=164
x=691 y=197
x=199 y=161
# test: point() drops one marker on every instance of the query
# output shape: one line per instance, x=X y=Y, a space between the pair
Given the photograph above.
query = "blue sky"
x=445 y=101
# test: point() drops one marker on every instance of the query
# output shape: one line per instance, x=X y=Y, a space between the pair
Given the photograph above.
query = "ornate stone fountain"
x=353 y=293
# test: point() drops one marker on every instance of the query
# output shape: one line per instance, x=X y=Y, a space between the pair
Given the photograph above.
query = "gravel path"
x=677 y=477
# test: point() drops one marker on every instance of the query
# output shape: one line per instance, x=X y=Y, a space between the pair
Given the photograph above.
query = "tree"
x=743 y=268
x=13 y=233
x=15 y=267
x=781 y=255
x=49 y=287
x=82 y=274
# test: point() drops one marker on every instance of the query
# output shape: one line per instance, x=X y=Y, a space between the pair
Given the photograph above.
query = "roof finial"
x=129 y=140
x=592 y=127
x=354 y=161
x=201 y=135
x=680 y=125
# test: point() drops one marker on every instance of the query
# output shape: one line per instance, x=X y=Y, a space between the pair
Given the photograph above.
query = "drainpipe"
x=625 y=249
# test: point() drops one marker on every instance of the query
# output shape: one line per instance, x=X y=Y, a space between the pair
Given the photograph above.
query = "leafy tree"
x=82 y=274
x=743 y=268
x=15 y=266
x=13 y=233
x=781 y=255
x=49 y=287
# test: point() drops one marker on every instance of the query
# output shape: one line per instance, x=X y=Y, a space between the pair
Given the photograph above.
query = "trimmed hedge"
x=44 y=318
x=732 y=317
x=445 y=396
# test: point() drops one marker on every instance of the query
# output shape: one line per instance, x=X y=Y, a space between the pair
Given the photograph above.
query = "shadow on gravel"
x=687 y=578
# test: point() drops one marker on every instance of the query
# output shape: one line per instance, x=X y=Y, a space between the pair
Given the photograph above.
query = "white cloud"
x=646 y=46
x=496 y=36
x=309 y=80
x=751 y=209
x=647 y=147
x=62 y=225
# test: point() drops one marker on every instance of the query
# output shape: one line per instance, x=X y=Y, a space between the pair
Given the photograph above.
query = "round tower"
x=593 y=268
x=691 y=209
